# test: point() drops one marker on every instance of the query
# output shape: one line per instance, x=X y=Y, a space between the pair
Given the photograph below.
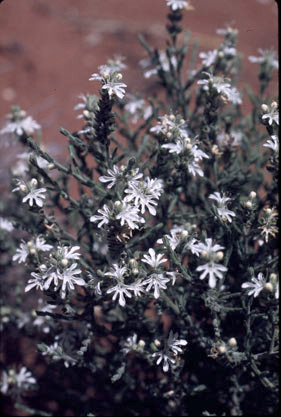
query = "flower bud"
x=23 y=187
x=64 y=262
x=51 y=166
x=135 y=271
x=29 y=244
x=11 y=372
x=105 y=75
x=157 y=342
x=119 y=76
x=184 y=234
x=204 y=254
x=172 y=117
x=221 y=54
x=268 y=287
x=232 y=342
x=268 y=211
x=273 y=277
x=141 y=343
x=86 y=114
x=169 y=135
x=274 y=105
x=253 y=194
x=248 y=204
x=222 y=349
x=117 y=203
x=219 y=255
x=34 y=182
x=188 y=146
x=32 y=251
x=182 y=122
x=264 y=108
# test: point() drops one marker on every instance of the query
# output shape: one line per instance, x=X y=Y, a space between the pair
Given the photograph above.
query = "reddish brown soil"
x=48 y=49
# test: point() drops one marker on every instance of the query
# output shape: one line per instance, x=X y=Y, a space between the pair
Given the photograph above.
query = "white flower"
x=156 y=281
x=130 y=344
x=113 y=176
x=209 y=247
x=174 y=237
x=174 y=344
x=208 y=58
x=21 y=253
x=171 y=349
x=137 y=287
x=69 y=279
x=214 y=271
x=164 y=64
x=42 y=321
x=36 y=195
x=68 y=252
x=24 y=378
x=222 y=86
x=94 y=283
x=166 y=358
x=152 y=259
x=120 y=290
x=37 y=281
x=129 y=214
x=6 y=225
x=144 y=193
x=117 y=272
x=256 y=286
x=105 y=213
x=115 y=88
x=222 y=209
x=40 y=244
x=273 y=143
x=18 y=127
x=267 y=56
x=177 y=4
x=272 y=116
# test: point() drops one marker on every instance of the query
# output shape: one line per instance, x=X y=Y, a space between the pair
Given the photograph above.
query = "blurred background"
x=49 y=49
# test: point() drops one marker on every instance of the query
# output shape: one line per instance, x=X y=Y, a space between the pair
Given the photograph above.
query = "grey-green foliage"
x=194 y=142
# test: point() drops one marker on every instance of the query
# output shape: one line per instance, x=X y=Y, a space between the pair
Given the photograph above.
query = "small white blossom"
x=177 y=4
x=157 y=282
x=130 y=344
x=21 y=253
x=256 y=286
x=222 y=209
x=19 y=381
x=129 y=214
x=167 y=358
x=68 y=252
x=208 y=58
x=117 y=272
x=120 y=290
x=144 y=193
x=267 y=56
x=6 y=225
x=213 y=270
x=37 y=281
x=36 y=195
x=164 y=64
x=152 y=259
x=137 y=287
x=113 y=176
x=271 y=116
x=171 y=349
x=273 y=143
x=115 y=89
x=21 y=126
x=69 y=279
x=103 y=218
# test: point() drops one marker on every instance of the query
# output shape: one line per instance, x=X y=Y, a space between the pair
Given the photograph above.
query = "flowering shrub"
x=156 y=277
